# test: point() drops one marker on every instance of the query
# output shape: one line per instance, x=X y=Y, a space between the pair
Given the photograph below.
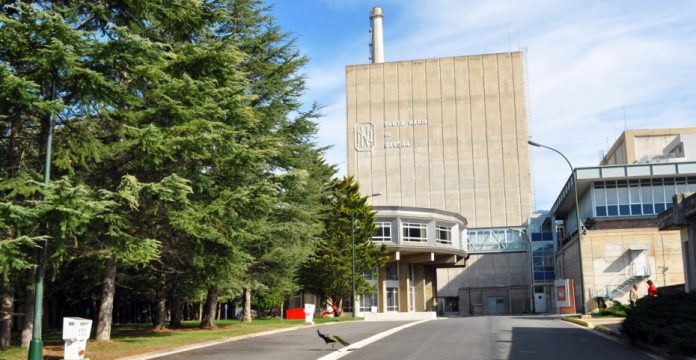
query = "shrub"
x=617 y=310
x=667 y=321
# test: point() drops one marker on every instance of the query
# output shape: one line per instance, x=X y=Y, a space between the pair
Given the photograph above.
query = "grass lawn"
x=132 y=339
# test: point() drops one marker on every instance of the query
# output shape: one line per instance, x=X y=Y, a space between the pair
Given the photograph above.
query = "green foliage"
x=181 y=146
x=667 y=321
x=616 y=310
x=328 y=271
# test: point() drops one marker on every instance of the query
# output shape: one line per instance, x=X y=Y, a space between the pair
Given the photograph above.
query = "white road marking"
x=346 y=350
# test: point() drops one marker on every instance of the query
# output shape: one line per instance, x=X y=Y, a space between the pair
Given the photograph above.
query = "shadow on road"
x=534 y=343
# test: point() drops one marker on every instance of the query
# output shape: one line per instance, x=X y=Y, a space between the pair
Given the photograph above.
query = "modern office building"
x=445 y=142
x=618 y=203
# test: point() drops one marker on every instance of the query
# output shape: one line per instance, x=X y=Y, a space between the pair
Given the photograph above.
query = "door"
x=640 y=264
x=496 y=305
x=540 y=303
x=392 y=299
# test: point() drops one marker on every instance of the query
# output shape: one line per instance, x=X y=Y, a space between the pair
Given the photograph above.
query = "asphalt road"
x=483 y=337
x=292 y=345
x=499 y=338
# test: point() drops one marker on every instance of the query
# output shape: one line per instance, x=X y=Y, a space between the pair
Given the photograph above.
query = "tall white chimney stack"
x=377 y=39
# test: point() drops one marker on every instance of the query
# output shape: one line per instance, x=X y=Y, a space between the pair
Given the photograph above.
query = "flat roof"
x=588 y=175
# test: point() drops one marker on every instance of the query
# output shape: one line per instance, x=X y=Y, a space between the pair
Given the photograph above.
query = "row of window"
x=414 y=232
x=638 y=196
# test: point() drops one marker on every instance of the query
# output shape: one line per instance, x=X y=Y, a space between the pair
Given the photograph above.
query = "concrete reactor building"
x=444 y=141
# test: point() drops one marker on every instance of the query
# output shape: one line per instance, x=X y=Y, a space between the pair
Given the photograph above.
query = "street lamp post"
x=36 y=344
x=577 y=218
x=531 y=270
x=352 y=241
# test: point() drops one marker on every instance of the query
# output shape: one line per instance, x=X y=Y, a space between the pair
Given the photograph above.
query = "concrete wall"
x=475 y=301
x=446 y=133
x=633 y=145
x=484 y=270
x=688 y=238
x=607 y=259
x=649 y=146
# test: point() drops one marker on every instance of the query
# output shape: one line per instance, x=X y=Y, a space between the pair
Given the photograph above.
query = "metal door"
x=540 y=303
x=640 y=265
x=496 y=305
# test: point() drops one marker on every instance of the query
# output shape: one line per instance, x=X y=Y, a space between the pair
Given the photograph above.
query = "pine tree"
x=328 y=272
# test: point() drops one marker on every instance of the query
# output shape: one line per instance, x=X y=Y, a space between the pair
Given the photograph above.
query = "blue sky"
x=593 y=68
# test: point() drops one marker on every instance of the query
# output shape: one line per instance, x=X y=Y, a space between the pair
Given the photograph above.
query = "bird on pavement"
x=332 y=339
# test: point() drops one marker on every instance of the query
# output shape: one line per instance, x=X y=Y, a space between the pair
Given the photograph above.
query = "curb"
x=584 y=323
x=608 y=331
x=170 y=351
x=601 y=328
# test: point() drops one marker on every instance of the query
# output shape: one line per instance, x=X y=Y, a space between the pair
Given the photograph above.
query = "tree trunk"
x=208 y=320
x=247 y=305
x=200 y=311
x=28 y=320
x=161 y=306
x=107 y=302
x=6 y=310
x=176 y=309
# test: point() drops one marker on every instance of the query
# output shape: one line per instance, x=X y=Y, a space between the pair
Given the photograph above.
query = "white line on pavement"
x=346 y=350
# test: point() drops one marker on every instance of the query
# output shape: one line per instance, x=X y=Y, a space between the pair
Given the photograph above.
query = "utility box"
x=309 y=313
x=75 y=334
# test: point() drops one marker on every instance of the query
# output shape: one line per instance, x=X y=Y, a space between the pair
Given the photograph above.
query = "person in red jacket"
x=652 y=289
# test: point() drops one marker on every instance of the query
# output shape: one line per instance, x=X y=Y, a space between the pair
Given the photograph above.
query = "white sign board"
x=309 y=313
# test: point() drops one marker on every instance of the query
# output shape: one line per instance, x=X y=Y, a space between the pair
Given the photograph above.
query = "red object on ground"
x=295 y=314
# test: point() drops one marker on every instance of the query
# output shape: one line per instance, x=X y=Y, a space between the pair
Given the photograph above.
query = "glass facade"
x=496 y=240
x=543 y=258
x=636 y=197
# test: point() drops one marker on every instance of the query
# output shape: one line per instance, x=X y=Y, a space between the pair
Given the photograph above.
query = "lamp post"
x=352 y=241
x=577 y=218
x=36 y=344
x=531 y=270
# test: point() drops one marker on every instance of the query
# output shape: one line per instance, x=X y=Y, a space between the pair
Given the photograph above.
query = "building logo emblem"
x=364 y=137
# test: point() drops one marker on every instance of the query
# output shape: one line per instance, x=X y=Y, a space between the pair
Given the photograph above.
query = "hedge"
x=666 y=321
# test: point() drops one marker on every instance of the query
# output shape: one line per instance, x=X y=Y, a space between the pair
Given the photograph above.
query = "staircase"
x=625 y=286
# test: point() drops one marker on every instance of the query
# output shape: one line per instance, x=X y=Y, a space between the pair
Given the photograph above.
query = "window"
x=391 y=272
x=392 y=299
x=443 y=234
x=383 y=231
x=415 y=232
x=659 y=195
x=612 y=199
x=600 y=200
x=371 y=275
x=624 y=207
x=367 y=301
x=634 y=194
x=647 y=197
